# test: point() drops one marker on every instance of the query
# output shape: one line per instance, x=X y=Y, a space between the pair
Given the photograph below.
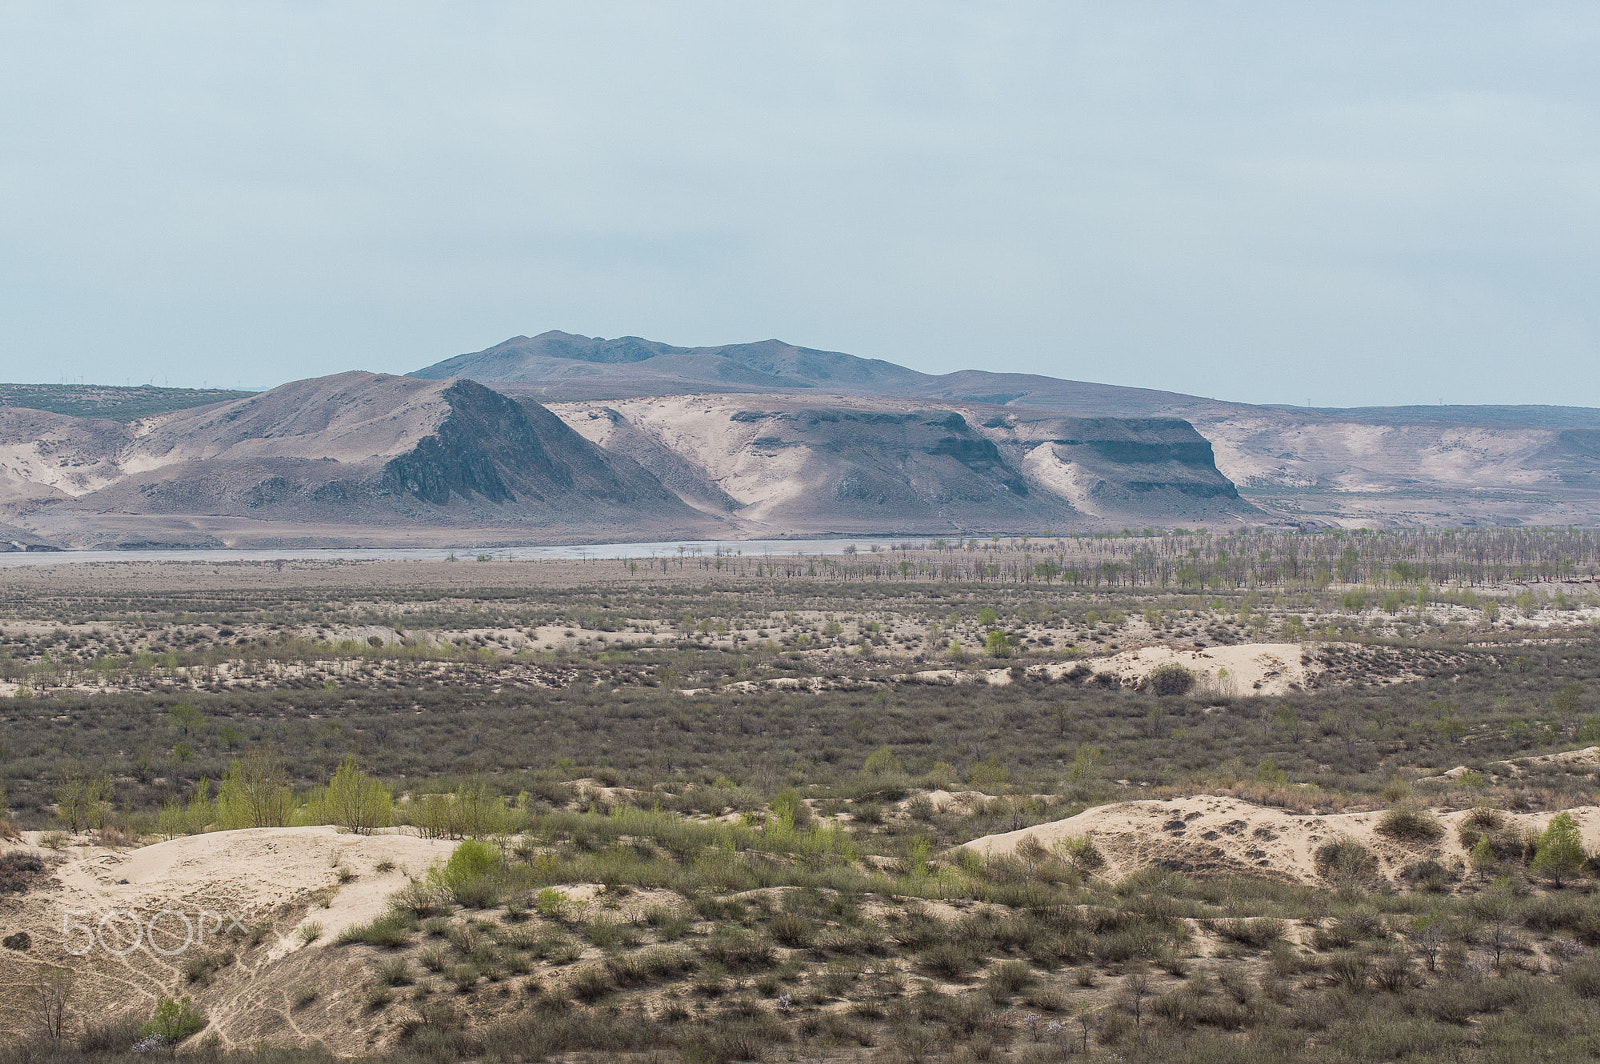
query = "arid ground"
x=1264 y=796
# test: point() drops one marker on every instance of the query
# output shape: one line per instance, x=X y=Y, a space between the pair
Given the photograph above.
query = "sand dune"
x=1221 y=835
x=273 y=879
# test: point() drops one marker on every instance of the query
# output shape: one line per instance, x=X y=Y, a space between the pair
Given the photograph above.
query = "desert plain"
x=1145 y=796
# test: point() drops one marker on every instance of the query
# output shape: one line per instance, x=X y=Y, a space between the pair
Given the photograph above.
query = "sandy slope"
x=1214 y=834
x=277 y=878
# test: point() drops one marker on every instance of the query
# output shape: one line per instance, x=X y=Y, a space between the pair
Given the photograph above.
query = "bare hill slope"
x=355 y=455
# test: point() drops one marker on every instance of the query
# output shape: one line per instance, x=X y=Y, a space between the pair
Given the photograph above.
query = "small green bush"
x=174 y=1020
x=1560 y=849
x=471 y=877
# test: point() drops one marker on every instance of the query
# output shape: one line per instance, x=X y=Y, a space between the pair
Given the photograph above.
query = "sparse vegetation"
x=729 y=830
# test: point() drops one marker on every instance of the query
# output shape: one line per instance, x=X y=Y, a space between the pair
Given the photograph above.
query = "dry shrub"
x=1345 y=860
x=1410 y=824
x=18 y=870
x=1583 y=977
x=792 y=929
x=114 y=838
x=1258 y=933
x=1484 y=820
x=1168 y=680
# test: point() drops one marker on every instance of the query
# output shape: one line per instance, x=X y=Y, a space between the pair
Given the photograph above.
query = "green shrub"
x=353 y=800
x=1559 y=854
x=174 y=1020
x=553 y=904
x=472 y=858
x=472 y=875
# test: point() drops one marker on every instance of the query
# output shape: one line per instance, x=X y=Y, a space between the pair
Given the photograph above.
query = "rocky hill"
x=1368 y=466
x=356 y=457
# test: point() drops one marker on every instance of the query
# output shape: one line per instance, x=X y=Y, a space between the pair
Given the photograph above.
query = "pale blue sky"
x=1347 y=203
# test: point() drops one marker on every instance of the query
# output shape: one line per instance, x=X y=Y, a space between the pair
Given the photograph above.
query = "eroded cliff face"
x=856 y=465
x=1134 y=467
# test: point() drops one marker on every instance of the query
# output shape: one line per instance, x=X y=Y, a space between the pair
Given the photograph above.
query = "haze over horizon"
x=1374 y=205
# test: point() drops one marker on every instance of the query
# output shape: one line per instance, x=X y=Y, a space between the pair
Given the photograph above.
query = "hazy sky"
x=1344 y=203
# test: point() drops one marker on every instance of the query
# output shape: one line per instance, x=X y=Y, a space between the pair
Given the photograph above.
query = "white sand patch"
x=1243 y=669
x=249 y=874
x=1445 y=777
x=1066 y=479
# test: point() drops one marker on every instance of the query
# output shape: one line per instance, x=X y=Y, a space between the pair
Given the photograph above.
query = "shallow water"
x=672 y=549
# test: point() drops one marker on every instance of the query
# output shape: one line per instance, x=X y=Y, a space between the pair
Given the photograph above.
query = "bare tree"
x=1137 y=987
x=48 y=1002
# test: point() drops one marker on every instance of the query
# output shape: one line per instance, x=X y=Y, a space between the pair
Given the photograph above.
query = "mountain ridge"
x=359 y=458
x=1381 y=466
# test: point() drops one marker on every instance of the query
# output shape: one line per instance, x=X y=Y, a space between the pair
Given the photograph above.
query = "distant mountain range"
x=1446 y=465
x=374 y=459
x=567 y=438
x=558 y=365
